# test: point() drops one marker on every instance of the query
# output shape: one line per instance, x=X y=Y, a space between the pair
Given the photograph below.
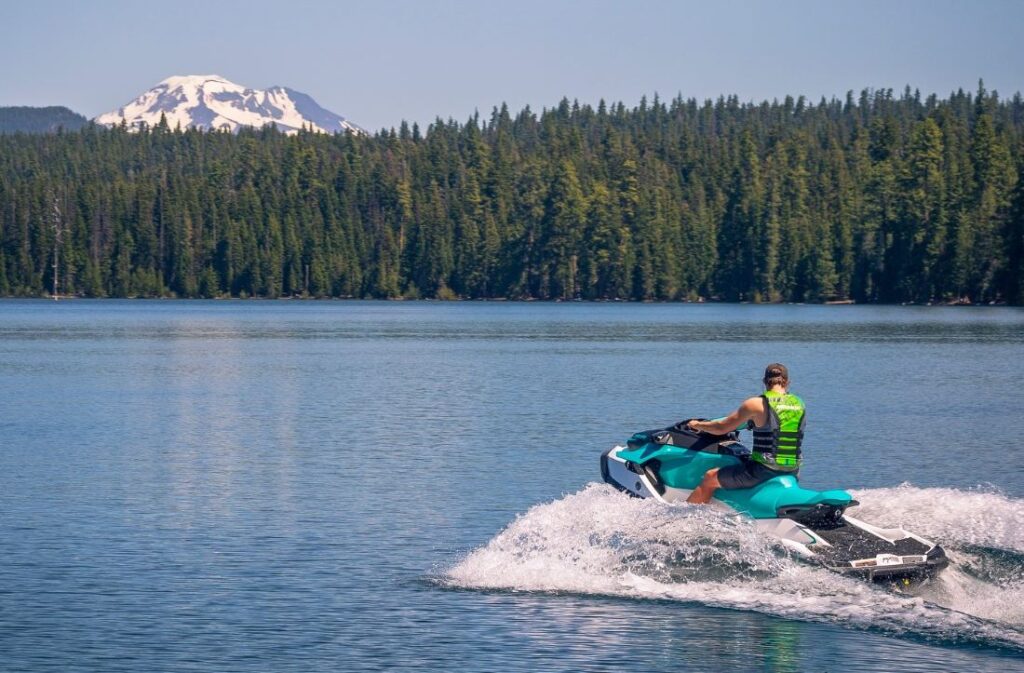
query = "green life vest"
x=777 y=444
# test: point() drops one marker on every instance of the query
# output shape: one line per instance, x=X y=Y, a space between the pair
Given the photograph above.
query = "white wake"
x=599 y=541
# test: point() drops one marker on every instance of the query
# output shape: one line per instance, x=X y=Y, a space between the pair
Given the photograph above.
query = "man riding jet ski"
x=696 y=460
x=777 y=419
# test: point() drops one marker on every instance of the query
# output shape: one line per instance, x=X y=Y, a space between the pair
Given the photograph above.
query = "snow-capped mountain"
x=212 y=102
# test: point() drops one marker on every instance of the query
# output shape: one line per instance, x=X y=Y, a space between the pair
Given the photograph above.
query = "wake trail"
x=599 y=541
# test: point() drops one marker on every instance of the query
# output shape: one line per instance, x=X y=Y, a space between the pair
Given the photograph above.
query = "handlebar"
x=684 y=426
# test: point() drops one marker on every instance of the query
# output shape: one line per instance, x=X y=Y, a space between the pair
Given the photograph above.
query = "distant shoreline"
x=504 y=300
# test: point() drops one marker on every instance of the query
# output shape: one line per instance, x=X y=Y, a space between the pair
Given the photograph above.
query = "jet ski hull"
x=812 y=524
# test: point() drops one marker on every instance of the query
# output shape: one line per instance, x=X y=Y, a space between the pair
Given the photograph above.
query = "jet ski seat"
x=783 y=496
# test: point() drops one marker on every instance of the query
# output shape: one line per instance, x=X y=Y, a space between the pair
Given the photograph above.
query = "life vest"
x=777 y=443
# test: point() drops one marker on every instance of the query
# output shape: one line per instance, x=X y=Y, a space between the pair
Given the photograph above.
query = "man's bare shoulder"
x=753 y=404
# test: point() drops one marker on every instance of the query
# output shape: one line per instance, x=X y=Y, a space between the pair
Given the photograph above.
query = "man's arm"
x=722 y=426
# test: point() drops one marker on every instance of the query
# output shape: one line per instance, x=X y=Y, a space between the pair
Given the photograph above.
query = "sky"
x=380 y=62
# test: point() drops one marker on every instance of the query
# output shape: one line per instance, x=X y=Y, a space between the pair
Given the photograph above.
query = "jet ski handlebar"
x=684 y=426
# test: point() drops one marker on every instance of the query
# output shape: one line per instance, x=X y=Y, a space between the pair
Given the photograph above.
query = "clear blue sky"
x=381 y=61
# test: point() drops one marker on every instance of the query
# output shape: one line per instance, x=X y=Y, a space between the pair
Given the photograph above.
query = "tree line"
x=873 y=198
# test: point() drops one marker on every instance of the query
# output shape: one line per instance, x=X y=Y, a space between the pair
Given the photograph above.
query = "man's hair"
x=776 y=374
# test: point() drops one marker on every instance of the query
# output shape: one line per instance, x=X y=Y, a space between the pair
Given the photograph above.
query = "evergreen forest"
x=880 y=197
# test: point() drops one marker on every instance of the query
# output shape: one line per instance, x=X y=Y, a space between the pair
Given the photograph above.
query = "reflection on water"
x=620 y=323
x=223 y=486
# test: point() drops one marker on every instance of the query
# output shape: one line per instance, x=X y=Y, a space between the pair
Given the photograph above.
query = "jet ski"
x=668 y=464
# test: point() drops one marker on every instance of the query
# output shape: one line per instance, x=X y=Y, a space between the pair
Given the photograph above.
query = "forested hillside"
x=876 y=198
x=39 y=119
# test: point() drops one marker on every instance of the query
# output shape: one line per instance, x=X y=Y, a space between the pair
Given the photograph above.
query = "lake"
x=413 y=486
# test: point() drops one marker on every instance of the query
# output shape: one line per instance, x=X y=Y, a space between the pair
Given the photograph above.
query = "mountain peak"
x=213 y=102
x=180 y=80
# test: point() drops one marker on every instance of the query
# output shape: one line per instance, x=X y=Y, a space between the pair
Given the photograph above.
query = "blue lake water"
x=334 y=486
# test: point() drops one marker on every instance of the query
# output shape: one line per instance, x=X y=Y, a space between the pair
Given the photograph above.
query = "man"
x=778 y=424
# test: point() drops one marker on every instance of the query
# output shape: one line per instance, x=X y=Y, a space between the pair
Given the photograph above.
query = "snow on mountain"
x=213 y=102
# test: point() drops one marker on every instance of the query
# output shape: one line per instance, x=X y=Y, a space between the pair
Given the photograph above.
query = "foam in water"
x=599 y=541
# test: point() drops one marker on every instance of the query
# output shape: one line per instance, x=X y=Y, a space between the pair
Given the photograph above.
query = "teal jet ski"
x=668 y=464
